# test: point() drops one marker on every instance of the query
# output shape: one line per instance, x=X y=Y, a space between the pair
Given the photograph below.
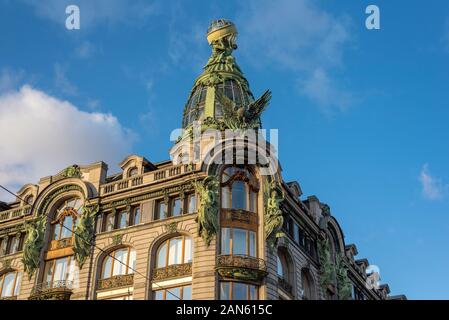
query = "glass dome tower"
x=221 y=76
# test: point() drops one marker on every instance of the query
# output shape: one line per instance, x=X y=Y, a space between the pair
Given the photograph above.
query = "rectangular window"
x=160 y=210
x=239 y=244
x=296 y=233
x=136 y=216
x=237 y=291
x=15 y=242
x=191 y=203
x=122 y=219
x=175 y=207
x=238 y=241
x=109 y=222
x=183 y=293
x=3 y=245
x=226 y=241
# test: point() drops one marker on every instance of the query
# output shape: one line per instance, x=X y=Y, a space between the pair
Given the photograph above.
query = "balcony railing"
x=285 y=285
x=15 y=213
x=241 y=267
x=124 y=280
x=146 y=178
x=172 y=271
x=61 y=244
x=52 y=290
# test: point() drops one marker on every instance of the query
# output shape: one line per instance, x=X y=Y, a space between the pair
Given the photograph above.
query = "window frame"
x=231 y=290
x=165 y=290
x=111 y=256
x=70 y=259
x=167 y=253
x=247 y=242
x=17 y=275
x=246 y=175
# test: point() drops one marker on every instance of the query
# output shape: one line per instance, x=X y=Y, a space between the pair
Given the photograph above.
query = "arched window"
x=308 y=286
x=133 y=172
x=10 y=284
x=66 y=215
x=284 y=272
x=29 y=199
x=238 y=189
x=174 y=251
x=118 y=263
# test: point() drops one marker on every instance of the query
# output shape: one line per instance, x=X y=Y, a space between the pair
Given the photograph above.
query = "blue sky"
x=362 y=115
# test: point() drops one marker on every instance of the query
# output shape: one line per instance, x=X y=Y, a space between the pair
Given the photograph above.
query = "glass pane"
x=188 y=250
x=71 y=270
x=187 y=293
x=173 y=294
x=109 y=222
x=49 y=272
x=136 y=216
x=161 y=256
x=192 y=204
x=252 y=243
x=225 y=197
x=8 y=284
x=15 y=244
x=120 y=262
x=225 y=241
x=224 y=291
x=66 y=231
x=18 y=281
x=239 y=195
x=176 y=207
x=239 y=242
x=252 y=292
x=56 y=231
x=161 y=210
x=159 y=295
x=252 y=201
x=280 y=269
x=107 y=268
x=132 y=261
x=60 y=270
x=122 y=221
x=296 y=232
x=239 y=291
x=175 y=251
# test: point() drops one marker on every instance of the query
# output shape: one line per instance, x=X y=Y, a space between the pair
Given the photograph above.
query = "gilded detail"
x=172 y=271
x=241 y=267
x=116 y=282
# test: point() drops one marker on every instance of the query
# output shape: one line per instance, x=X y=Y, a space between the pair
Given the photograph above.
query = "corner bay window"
x=174 y=251
x=64 y=224
x=238 y=189
x=237 y=241
x=176 y=293
x=237 y=291
x=119 y=262
x=60 y=272
x=10 y=284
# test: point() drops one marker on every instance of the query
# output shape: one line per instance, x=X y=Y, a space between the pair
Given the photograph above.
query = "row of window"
x=11 y=244
x=121 y=219
x=301 y=236
x=175 y=207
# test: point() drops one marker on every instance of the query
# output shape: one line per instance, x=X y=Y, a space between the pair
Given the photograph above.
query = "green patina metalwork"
x=84 y=233
x=343 y=283
x=327 y=268
x=273 y=219
x=73 y=171
x=207 y=219
x=33 y=245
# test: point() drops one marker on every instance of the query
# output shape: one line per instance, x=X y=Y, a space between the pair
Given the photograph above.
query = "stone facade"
x=148 y=239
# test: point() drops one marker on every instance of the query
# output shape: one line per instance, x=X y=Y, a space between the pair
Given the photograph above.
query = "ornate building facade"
x=182 y=229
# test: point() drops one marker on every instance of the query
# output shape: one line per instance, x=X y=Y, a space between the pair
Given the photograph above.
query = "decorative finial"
x=223 y=33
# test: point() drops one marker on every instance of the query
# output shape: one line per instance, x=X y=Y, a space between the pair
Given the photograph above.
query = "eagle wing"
x=256 y=108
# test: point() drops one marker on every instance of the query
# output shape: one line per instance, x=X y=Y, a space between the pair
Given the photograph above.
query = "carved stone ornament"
x=84 y=234
x=116 y=282
x=117 y=239
x=207 y=219
x=73 y=171
x=273 y=219
x=171 y=227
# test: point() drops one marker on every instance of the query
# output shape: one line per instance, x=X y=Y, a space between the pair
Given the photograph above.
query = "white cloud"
x=300 y=37
x=94 y=12
x=40 y=135
x=432 y=188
